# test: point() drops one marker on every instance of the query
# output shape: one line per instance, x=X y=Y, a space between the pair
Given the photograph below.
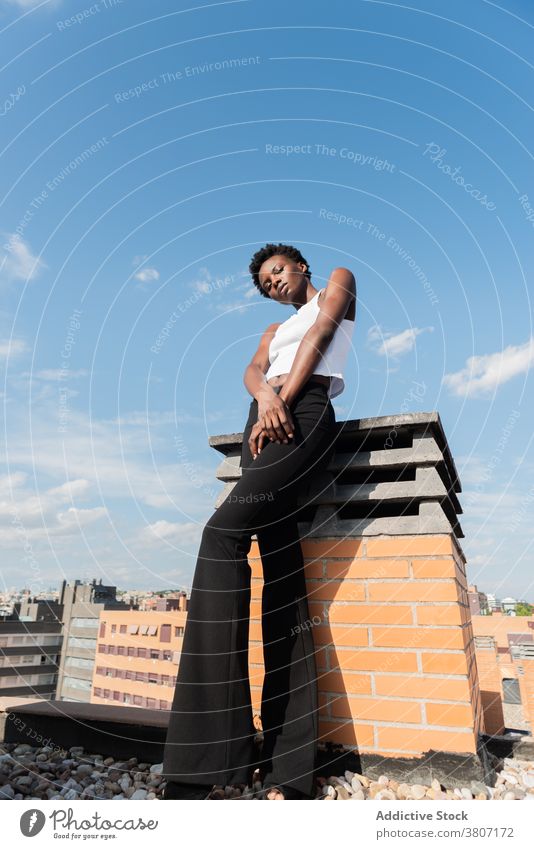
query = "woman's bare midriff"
x=280 y=379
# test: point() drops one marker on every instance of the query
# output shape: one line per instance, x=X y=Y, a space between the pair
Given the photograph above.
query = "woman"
x=289 y=434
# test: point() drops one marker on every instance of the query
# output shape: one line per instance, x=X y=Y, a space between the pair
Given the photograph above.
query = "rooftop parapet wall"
x=387 y=590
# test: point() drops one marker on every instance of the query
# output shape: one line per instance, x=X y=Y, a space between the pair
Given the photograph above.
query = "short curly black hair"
x=271 y=249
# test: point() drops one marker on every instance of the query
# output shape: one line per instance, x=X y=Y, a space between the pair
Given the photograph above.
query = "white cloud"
x=394 y=344
x=58 y=374
x=26 y=517
x=75 y=518
x=485 y=373
x=147 y=275
x=12 y=348
x=17 y=261
x=183 y=534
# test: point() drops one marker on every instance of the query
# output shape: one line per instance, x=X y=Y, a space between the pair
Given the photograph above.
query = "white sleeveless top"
x=286 y=340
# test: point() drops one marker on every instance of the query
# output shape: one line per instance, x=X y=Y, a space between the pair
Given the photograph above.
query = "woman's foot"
x=281 y=792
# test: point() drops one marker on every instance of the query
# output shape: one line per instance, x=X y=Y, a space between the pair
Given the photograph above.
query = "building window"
x=85 y=622
x=163 y=705
x=81 y=643
x=141 y=652
x=122 y=629
x=178 y=631
x=165 y=680
x=165 y=634
x=132 y=629
x=116 y=695
x=143 y=629
x=151 y=703
x=76 y=683
x=132 y=651
x=102 y=629
x=97 y=691
x=113 y=628
x=138 y=700
x=154 y=654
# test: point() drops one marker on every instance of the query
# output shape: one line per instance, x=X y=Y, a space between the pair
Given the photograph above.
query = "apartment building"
x=137 y=656
x=504 y=647
x=82 y=603
x=29 y=658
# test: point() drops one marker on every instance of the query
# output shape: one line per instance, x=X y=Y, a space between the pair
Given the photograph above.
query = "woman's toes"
x=275 y=794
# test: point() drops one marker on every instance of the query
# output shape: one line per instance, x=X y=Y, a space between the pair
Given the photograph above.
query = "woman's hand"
x=274 y=422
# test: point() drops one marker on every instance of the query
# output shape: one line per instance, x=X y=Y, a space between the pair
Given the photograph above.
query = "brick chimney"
x=387 y=593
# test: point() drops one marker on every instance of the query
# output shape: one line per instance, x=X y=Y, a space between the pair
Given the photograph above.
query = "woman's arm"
x=270 y=405
x=340 y=291
x=254 y=377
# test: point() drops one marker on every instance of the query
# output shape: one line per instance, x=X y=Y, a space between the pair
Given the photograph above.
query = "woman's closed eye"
x=276 y=271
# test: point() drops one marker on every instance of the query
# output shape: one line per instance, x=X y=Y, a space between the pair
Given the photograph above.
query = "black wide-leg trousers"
x=211 y=733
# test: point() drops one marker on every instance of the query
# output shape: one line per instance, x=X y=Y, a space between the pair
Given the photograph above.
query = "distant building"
x=478 y=602
x=38 y=610
x=509 y=606
x=493 y=603
x=82 y=605
x=29 y=657
x=504 y=653
x=138 y=653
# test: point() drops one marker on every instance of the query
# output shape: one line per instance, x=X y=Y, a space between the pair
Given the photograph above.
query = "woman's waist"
x=278 y=380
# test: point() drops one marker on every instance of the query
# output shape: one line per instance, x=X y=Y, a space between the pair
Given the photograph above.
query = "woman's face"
x=282 y=278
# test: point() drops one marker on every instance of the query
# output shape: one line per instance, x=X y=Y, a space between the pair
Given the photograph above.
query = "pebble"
x=139 y=794
x=418 y=791
x=44 y=773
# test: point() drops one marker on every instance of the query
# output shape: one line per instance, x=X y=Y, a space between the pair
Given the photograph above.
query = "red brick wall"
x=394 y=643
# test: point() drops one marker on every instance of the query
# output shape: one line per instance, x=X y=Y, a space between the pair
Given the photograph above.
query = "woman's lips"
x=284 y=289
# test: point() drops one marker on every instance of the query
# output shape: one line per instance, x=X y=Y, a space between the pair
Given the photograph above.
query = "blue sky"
x=148 y=150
